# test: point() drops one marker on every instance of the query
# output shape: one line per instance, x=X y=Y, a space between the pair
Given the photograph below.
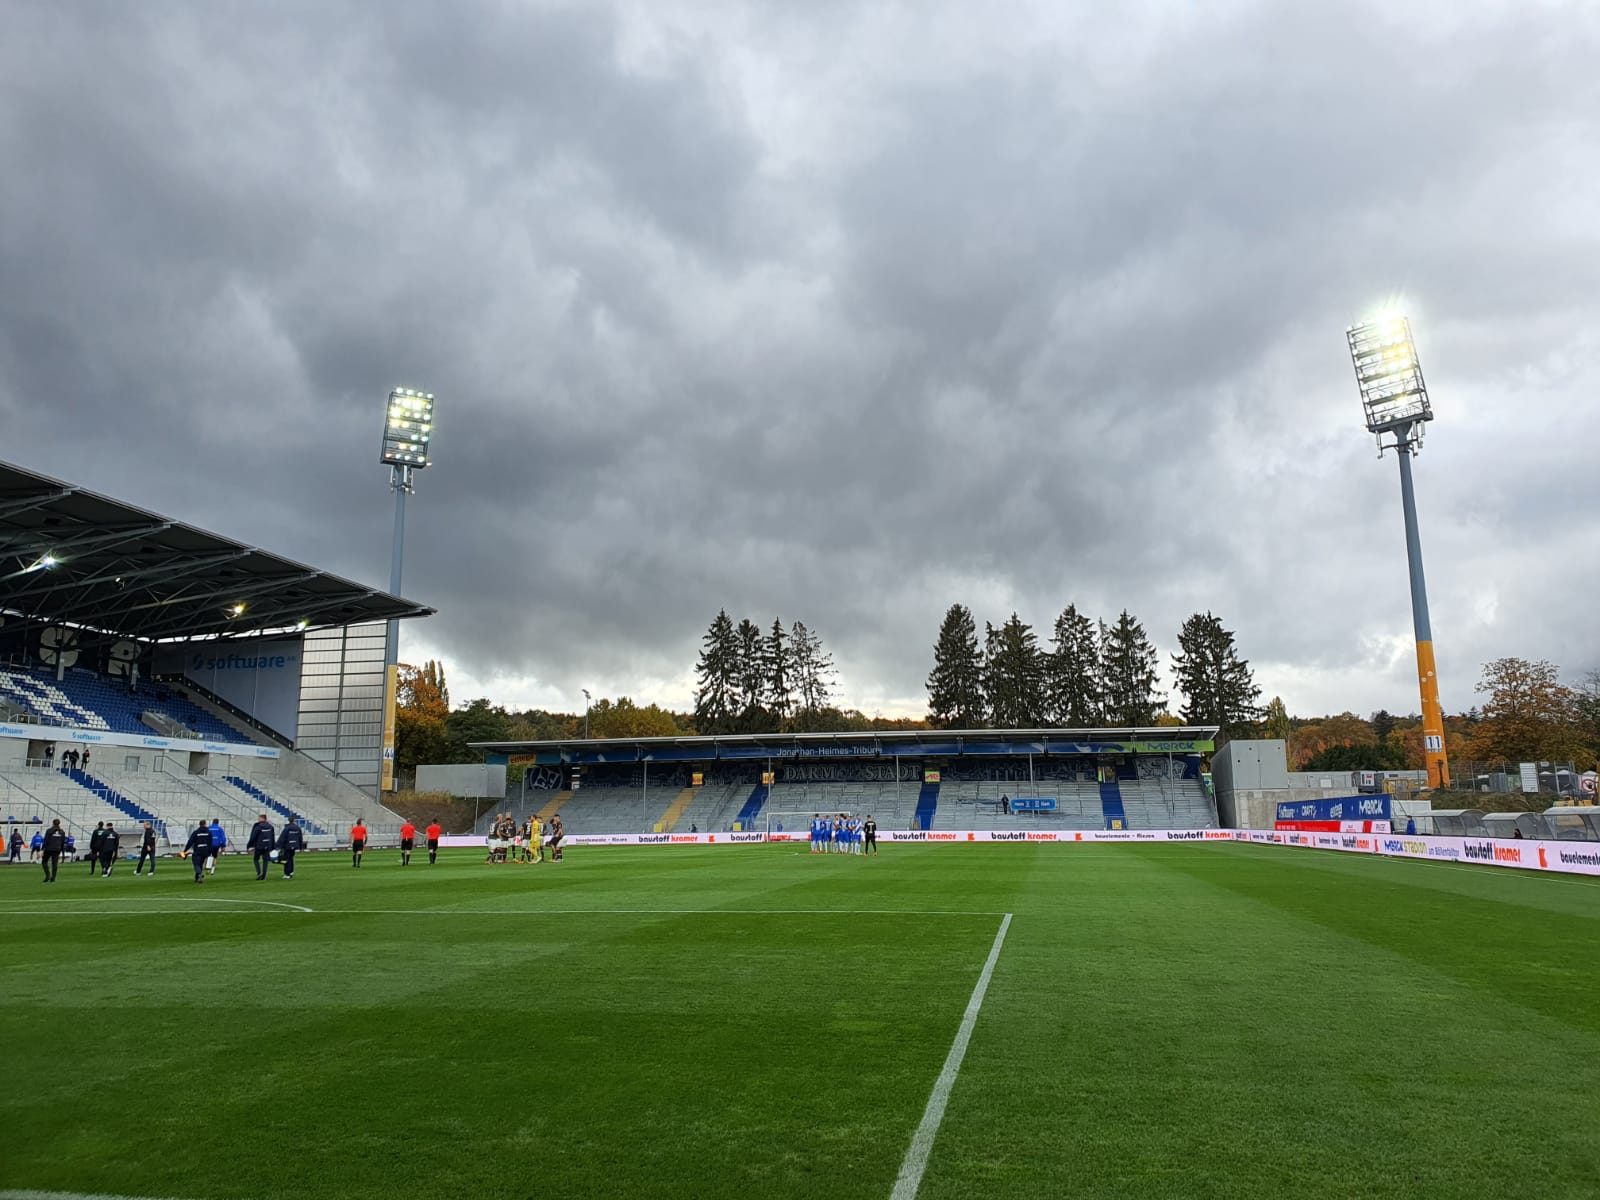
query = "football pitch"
x=1213 y=1020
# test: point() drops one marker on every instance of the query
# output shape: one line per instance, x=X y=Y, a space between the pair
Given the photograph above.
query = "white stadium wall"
x=485 y=781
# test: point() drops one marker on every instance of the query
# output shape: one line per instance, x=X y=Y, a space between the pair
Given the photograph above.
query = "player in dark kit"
x=55 y=843
x=290 y=840
x=200 y=848
x=109 y=841
x=262 y=839
x=95 y=839
x=869 y=832
x=147 y=849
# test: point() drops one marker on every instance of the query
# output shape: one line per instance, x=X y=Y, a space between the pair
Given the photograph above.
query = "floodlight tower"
x=407 y=436
x=1395 y=400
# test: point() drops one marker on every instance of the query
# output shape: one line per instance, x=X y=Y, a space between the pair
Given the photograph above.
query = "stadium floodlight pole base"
x=1433 y=751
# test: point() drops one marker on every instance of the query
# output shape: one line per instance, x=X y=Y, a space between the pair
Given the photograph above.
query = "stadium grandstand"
x=1057 y=779
x=151 y=671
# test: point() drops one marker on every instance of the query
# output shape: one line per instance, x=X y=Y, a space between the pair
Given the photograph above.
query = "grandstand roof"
x=70 y=556
x=1188 y=739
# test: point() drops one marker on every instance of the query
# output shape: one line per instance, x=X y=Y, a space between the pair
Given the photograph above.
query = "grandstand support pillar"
x=1433 y=751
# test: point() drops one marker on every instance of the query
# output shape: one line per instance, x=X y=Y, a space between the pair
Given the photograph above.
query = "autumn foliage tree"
x=1528 y=714
x=622 y=718
x=422 y=708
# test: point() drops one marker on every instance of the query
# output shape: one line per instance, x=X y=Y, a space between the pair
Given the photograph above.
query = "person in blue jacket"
x=219 y=843
x=292 y=838
x=198 y=848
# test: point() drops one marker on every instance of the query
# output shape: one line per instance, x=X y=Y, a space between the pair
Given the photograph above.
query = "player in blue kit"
x=816 y=833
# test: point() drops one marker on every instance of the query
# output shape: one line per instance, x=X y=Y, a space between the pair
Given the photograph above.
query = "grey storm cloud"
x=831 y=312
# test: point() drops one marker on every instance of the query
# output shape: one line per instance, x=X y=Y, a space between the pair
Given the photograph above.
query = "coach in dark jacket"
x=199 y=848
x=292 y=838
x=55 y=844
x=147 y=849
x=109 y=842
x=260 y=844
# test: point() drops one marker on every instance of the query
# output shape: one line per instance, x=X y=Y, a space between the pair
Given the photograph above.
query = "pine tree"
x=1382 y=725
x=955 y=685
x=1128 y=673
x=1217 y=683
x=717 y=677
x=1275 y=720
x=778 y=669
x=750 y=674
x=813 y=674
x=1013 y=675
x=1072 y=673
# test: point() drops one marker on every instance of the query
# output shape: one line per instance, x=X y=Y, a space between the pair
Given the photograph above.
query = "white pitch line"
x=513 y=912
x=663 y=912
x=30 y=1194
x=116 y=911
x=916 y=1160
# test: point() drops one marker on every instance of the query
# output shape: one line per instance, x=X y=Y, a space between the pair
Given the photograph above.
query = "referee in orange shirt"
x=434 y=833
x=408 y=839
x=358 y=842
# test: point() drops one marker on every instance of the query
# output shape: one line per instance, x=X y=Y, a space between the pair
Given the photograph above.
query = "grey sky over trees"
x=849 y=312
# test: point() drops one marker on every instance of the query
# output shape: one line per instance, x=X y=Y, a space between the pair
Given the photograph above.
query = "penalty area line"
x=916 y=1159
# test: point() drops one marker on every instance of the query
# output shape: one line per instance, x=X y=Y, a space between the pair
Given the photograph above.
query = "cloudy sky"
x=836 y=312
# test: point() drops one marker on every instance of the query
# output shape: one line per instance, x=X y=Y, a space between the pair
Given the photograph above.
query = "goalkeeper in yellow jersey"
x=535 y=839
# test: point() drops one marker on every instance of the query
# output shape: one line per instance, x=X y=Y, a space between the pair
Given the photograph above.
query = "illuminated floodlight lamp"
x=1393 y=394
x=43 y=563
x=407 y=429
x=236 y=610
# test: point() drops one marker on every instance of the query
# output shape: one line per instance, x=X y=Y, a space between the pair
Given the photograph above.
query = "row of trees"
x=750 y=682
x=1093 y=674
x=1527 y=715
x=428 y=730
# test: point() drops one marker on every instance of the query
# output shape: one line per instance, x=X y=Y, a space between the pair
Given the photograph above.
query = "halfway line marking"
x=174 y=899
x=916 y=1160
x=663 y=912
x=30 y=1194
x=499 y=912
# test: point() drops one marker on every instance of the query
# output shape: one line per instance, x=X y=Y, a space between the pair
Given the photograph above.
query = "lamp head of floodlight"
x=408 y=429
x=1393 y=394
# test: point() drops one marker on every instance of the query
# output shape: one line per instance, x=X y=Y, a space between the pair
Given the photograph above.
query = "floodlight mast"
x=1395 y=400
x=407 y=438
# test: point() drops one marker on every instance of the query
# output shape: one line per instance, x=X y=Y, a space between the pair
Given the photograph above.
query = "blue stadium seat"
x=86 y=700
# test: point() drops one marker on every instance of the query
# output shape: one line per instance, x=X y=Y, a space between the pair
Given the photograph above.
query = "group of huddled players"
x=527 y=843
x=843 y=834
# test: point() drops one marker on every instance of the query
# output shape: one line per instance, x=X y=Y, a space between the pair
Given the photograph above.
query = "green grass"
x=1183 y=1021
